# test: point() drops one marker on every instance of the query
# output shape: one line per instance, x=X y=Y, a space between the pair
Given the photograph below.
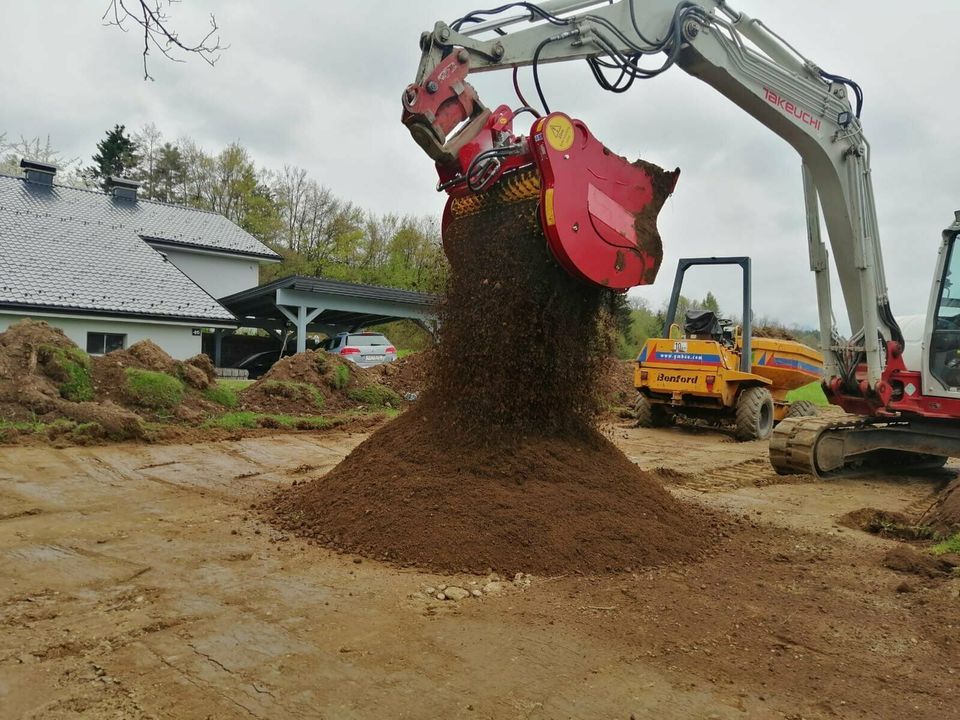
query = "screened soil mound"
x=547 y=506
x=499 y=464
x=311 y=381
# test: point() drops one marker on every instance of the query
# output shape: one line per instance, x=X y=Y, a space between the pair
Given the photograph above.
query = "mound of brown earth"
x=37 y=363
x=109 y=374
x=905 y=559
x=406 y=375
x=313 y=380
x=882 y=522
x=944 y=516
x=771 y=331
x=545 y=505
x=499 y=466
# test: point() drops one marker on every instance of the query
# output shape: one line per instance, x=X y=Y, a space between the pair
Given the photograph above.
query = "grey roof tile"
x=150 y=219
x=59 y=250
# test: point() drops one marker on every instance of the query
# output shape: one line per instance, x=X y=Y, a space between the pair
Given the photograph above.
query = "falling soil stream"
x=499 y=465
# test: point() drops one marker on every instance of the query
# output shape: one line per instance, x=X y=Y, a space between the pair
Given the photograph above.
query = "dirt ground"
x=138 y=583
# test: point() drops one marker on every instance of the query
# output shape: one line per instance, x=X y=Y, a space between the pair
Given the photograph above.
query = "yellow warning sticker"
x=559 y=132
x=548 y=207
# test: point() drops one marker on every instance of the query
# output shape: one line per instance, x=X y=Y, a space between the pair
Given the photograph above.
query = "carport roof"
x=342 y=303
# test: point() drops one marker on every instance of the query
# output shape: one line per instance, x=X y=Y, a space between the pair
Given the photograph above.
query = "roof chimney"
x=122 y=187
x=38 y=172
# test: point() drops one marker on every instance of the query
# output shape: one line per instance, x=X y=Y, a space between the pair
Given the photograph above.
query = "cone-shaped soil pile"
x=499 y=465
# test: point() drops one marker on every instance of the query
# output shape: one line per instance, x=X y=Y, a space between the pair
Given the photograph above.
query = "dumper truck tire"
x=647 y=414
x=802 y=408
x=754 y=414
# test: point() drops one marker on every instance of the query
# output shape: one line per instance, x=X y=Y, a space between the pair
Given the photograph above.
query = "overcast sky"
x=317 y=84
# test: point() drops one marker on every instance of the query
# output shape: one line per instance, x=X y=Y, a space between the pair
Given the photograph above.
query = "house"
x=111 y=269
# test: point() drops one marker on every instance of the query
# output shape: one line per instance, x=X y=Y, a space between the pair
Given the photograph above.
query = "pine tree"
x=116 y=155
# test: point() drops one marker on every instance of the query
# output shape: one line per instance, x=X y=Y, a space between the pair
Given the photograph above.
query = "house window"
x=102 y=343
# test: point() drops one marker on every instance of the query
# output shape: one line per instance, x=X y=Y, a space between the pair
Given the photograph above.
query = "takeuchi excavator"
x=898 y=381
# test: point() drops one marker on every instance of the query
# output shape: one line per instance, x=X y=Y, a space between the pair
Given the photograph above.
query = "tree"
x=158 y=32
x=710 y=303
x=171 y=173
x=116 y=155
x=148 y=140
x=42 y=150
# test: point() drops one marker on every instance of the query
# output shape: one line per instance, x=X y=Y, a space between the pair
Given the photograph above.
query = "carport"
x=310 y=304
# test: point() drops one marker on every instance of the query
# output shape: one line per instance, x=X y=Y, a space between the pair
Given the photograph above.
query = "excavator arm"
x=735 y=54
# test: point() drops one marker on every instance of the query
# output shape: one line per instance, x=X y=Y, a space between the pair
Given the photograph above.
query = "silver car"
x=366 y=349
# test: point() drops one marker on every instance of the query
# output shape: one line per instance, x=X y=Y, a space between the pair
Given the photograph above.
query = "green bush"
x=154 y=389
x=341 y=377
x=377 y=395
x=222 y=395
x=294 y=391
x=71 y=367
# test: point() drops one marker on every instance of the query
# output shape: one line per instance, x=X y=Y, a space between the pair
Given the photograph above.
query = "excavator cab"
x=944 y=347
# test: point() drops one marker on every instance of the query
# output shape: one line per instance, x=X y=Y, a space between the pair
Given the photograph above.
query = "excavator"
x=897 y=381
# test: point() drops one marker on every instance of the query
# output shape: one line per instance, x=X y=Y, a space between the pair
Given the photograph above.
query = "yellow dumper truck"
x=712 y=370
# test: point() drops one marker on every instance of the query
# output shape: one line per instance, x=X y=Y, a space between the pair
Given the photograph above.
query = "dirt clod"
x=905 y=559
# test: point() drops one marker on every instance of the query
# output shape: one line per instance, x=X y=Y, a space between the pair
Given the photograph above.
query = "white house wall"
x=177 y=340
x=220 y=275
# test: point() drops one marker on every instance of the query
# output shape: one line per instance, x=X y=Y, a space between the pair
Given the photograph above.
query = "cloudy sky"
x=317 y=84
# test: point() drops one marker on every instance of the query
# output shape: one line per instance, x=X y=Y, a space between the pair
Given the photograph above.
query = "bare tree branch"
x=153 y=18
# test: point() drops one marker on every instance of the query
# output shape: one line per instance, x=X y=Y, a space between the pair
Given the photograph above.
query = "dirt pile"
x=145 y=379
x=44 y=377
x=773 y=332
x=311 y=381
x=546 y=505
x=905 y=559
x=406 y=375
x=499 y=465
x=944 y=516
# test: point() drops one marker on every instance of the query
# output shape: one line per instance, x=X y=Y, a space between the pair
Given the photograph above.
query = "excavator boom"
x=588 y=208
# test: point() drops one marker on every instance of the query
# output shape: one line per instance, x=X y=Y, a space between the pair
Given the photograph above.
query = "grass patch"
x=246 y=419
x=341 y=377
x=24 y=426
x=235 y=384
x=71 y=368
x=294 y=391
x=811 y=393
x=222 y=395
x=405 y=353
x=950 y=545
x=375 y=395
x=153 y=389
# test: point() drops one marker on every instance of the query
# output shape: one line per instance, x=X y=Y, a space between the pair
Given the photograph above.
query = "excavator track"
x=797 y=446
x=794 y=441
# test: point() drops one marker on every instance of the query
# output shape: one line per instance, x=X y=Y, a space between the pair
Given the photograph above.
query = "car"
x=257 y=364
x=365 y=349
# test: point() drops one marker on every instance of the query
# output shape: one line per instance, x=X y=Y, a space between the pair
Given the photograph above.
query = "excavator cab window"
x=945 y=343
